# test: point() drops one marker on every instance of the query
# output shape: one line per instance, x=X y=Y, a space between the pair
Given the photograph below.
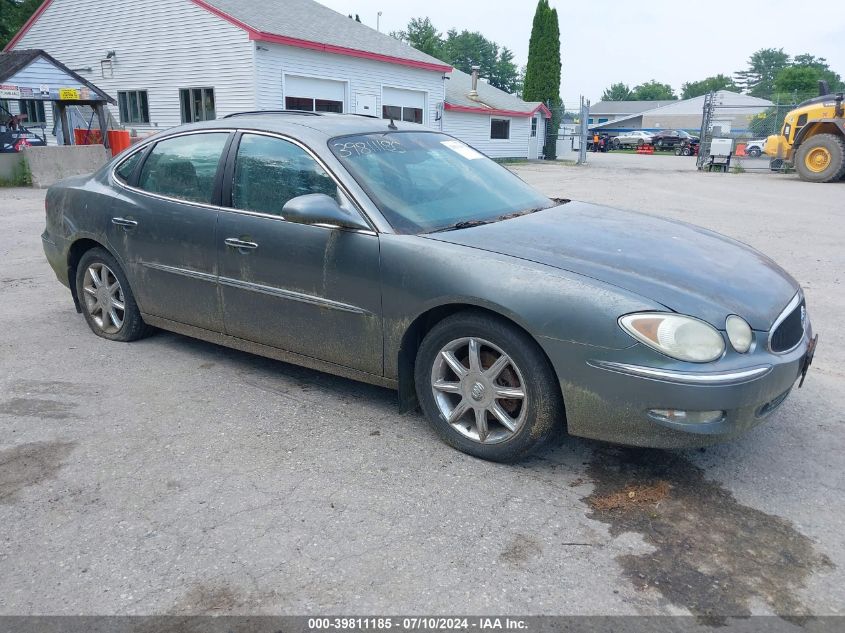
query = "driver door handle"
x=239 y=244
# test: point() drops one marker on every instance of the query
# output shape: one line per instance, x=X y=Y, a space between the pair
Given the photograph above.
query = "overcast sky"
x=603 y=42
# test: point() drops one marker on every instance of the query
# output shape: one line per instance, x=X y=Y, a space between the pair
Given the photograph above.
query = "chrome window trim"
x=794 y=303
x=142 y=146
x=691 y=378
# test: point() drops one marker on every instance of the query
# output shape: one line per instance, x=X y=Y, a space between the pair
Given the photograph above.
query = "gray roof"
x=12 y=62
x=459 y=85
x=314 y=22
x=626 y=107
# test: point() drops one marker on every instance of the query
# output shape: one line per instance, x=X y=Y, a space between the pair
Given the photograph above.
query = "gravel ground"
x=174 y=476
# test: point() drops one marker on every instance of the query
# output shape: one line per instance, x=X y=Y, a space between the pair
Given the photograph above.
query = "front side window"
x=33 y=111
x=270 y=171
x=425 y=181
x=500 y=128
x=307 y=104
x=197 y=104
x=184 y=167
x=133 y=106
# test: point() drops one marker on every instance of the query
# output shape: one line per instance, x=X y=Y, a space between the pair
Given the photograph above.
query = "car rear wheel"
x=106 y=299
x=754 y=152
x=640 y=142
x=487 y=388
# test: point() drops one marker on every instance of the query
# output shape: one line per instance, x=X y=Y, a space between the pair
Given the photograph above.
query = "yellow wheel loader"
x=813 y=138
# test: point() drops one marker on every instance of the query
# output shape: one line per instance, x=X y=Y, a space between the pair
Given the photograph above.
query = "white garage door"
x=308 y=93
x=402 y=104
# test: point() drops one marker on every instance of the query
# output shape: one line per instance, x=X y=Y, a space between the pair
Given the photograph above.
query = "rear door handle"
x=241 y=245
x=128 y=224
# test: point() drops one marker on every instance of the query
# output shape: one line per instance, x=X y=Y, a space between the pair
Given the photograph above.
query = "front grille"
x=789 y=332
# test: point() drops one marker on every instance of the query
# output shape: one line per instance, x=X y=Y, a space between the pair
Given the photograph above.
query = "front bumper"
x=608 y=393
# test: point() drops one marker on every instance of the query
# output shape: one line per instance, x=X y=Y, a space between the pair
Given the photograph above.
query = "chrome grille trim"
x=790 y=307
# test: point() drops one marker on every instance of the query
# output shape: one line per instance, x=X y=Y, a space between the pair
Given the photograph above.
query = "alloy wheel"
x=103 y=296
x=479 y=390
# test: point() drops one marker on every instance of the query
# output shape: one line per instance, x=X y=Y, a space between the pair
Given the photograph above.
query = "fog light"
x=679 y=416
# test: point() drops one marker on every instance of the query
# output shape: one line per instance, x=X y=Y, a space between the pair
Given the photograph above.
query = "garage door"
x=403 y=105
x=314 y=95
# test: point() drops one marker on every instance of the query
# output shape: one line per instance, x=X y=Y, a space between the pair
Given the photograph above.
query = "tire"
x=659 y=143
x=686 y=151
x=96 y=267
x=828 y=147
x=678 y=151
x=615 y=144
x=754 y=152
x=533 y=417
x=640 y=142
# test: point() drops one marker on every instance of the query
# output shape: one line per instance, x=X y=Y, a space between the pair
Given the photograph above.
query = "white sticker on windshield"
x=464 y=150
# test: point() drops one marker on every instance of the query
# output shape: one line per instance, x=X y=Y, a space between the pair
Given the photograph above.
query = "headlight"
x=675 y=335
x=739 y=333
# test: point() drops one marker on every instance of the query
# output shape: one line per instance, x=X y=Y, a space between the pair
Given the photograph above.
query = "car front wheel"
x=487 y=388
x=106 y=300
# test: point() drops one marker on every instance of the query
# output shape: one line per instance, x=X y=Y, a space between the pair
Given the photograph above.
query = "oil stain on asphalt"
x=28 y=465
x=712 y=555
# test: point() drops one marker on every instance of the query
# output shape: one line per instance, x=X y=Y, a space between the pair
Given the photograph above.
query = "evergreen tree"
x=542 y=75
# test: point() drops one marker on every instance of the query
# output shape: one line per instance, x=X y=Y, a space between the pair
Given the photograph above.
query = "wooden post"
x=66 y=131
x=104 y=126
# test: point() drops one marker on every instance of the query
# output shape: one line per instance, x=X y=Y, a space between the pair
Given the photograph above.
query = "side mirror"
x=318 y=208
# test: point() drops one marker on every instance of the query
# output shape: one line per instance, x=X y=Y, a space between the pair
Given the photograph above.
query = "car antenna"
x=392 y=125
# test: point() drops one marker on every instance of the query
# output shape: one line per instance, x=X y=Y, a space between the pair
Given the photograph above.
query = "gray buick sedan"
x=403 y=257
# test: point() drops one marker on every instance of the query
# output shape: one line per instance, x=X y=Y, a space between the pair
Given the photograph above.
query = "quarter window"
x=307 y=104
x=500 y=128
x=33 y=110
x=133 y=106
x=197 y=104
x=184 y=167
x=126 y=169
x=270 y=171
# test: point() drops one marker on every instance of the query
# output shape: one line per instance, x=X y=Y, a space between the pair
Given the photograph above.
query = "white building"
x=174 y=61
x=607 y=111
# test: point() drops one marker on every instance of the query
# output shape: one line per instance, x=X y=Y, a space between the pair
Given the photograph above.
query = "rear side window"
x=184 y=167
x=127 y=167
x=270 y=171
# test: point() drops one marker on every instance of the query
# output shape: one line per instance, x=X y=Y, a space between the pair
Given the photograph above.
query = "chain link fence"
x=747 y=126
x=569 y=138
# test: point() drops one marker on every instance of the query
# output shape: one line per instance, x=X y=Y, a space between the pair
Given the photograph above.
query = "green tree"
x=692 y=89
x=466 y=49
x=653 y=91
x=542 y=74
x=758 y=79
x=618 y=92
x=13 y=14
x=422 y=35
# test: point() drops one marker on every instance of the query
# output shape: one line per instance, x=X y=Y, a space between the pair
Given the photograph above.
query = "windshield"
x=425 y=181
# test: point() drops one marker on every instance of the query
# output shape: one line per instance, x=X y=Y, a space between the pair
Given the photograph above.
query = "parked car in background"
x=667 y=139
x=631 y=139
x=402 y=257
x=754 y=147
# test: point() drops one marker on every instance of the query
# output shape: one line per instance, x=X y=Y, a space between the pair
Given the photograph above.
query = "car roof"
x=316 y=126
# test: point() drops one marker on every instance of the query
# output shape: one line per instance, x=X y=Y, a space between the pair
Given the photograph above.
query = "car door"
x=305 y=288
x=163 y=222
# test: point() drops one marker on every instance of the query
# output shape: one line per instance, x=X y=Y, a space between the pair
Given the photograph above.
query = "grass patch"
x=21 y=176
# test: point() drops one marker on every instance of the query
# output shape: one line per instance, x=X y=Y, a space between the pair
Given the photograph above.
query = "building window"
x=133 y=106
x=402 y=113
x=500 y=129
x=533 y=126
x=307 y=104
x=602 y=120
x=197 y=104
x=33 y=111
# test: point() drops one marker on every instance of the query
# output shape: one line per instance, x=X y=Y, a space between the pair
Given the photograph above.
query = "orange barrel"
x=740 y=149
x=118 y=141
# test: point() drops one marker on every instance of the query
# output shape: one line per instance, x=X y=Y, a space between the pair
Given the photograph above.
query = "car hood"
x=686 y=268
